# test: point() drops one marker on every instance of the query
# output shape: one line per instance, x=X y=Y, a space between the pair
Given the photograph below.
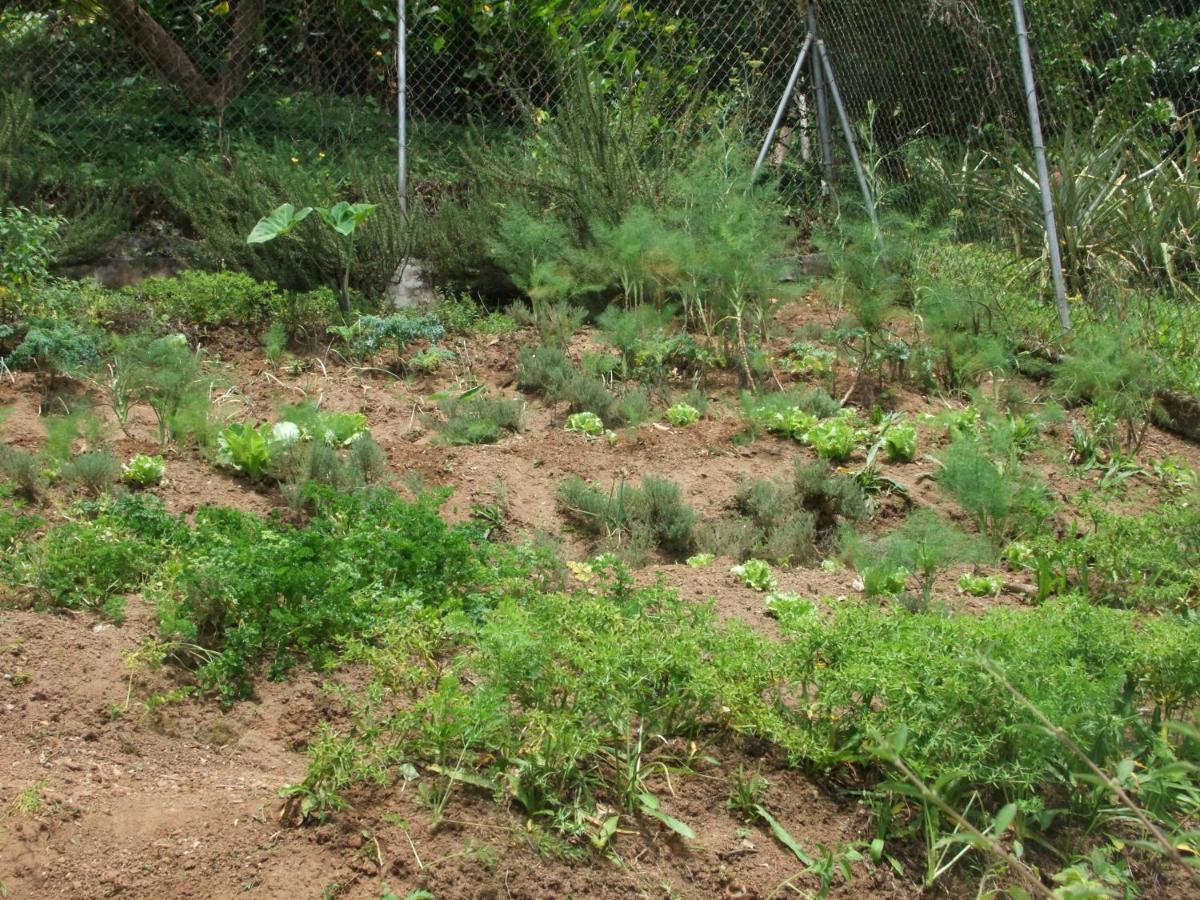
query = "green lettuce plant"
x=586 y=422
x=756 y=574
x=900 y=442
x=143 y=471
x=834 y=439
x=683 y=414
x=244 y=449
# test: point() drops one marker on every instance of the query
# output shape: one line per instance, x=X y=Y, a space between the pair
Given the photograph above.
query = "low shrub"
x=556 y=323
x=95 y=471
x=24 y=470
x=478 y=419
x=786 y=522
x=653 y=513
x=1001 y=496
x=544 y=371
x=209 y=299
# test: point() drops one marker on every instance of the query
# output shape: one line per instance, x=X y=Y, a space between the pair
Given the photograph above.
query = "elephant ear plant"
x=343 y=218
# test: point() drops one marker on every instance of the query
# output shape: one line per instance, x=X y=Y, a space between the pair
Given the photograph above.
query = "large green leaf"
x=345 y=217
x=652 y=807
x=278 y=223
x=783 y=836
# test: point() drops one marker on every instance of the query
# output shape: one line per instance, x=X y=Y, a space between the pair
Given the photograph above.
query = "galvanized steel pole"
x=818 y=80
x=848 y=132
x=1039 y=152
x=783 y=102
x=402 y=104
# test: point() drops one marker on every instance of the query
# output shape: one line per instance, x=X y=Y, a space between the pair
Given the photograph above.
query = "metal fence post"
x=783 y=102
x=1039 y=152
x=402 y=104
x=851 y=144
x=818 y=80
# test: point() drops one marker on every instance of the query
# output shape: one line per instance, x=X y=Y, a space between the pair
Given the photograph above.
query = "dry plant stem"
x=416 y=855
x=1128 y=802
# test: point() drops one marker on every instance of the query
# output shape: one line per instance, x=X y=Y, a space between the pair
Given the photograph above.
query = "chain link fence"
x=109 y=78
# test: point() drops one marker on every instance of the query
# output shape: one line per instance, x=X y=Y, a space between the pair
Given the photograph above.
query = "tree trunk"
x=170 y=60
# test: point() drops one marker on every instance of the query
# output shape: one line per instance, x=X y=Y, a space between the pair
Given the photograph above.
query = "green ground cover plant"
x=234 y=590
x=560 y=721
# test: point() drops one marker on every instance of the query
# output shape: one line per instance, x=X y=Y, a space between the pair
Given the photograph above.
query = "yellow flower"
x=296 y=160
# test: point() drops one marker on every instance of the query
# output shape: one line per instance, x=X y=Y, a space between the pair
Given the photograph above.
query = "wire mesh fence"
x=194 y=75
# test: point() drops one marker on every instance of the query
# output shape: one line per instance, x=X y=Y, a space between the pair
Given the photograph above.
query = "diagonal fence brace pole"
x=783 y=102
x=848 y=132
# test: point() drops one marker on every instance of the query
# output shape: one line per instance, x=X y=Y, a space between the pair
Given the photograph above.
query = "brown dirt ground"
x=181 y=802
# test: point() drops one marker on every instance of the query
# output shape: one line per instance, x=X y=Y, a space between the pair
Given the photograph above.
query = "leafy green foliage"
x=209 y=299
x=245 y=449
x=144 y=471
x=756 y=574
x=554 y=690
x=981 y=585
x=835 y=439
x=26 y=241
x=790 y=413
x=587 y=423
x=343 y=218
x=260 y=590
x=1145 y=561
x=334 y=427
x=900 y=442
x=683 y=414
x=220 y=205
